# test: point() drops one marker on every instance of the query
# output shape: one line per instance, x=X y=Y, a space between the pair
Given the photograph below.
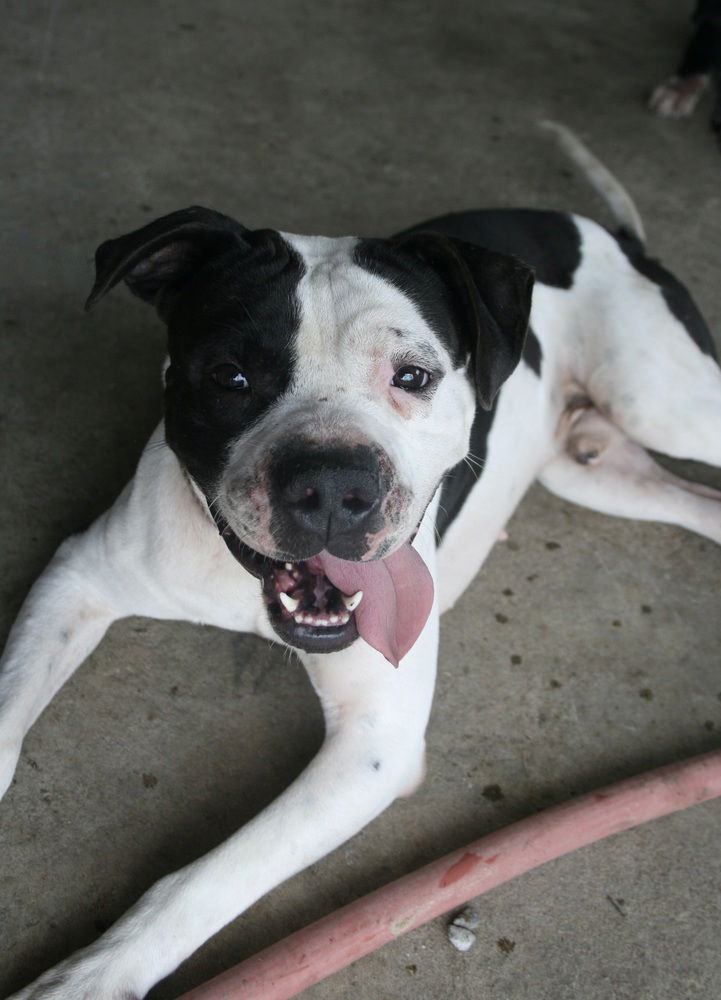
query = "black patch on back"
x=460 y=480
x=549 y=242
x=241 y=309
x=676 y=295
x=532 y=353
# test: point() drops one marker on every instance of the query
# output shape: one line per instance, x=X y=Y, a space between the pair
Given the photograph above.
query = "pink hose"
x=311 y=954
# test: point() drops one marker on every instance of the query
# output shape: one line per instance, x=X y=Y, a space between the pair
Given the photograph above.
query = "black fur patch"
x=676 y=295
x=240 y=309
x=532 y=353
x=461 y=479
x=549 y=242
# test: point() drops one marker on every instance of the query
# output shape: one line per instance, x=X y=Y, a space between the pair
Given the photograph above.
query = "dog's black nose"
x=325 y=499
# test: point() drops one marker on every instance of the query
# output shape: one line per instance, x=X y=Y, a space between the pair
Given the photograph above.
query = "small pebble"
x=460 y=937
x=468 y=918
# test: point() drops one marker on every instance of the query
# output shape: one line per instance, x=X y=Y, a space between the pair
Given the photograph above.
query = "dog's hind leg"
x=600 y=467
x=649 y=361
x=673 y=408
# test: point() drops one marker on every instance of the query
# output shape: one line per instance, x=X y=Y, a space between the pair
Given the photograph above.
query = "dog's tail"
x=611 y=190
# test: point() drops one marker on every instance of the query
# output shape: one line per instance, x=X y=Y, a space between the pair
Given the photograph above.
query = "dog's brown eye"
x=411 y=377
x=229 y=377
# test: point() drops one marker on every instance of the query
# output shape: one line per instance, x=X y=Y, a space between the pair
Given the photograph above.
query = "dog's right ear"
x=490 y=295
x=156 y=260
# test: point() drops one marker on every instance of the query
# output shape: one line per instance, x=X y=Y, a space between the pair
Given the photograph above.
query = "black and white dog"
x=321 y=396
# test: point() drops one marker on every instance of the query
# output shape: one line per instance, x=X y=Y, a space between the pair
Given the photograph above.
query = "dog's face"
x=317 y=390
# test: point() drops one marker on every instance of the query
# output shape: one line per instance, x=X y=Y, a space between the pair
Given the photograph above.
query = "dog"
x=349 y=423
x=700 y=66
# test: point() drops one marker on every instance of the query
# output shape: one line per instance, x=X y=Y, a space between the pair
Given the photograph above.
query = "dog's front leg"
x=62 y=620
x=373 y=752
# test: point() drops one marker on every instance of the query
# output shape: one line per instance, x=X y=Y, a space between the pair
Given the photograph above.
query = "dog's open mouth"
x=324 y=603
x=306 y=609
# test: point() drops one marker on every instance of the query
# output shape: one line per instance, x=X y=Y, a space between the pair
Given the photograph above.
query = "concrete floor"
x=349 y=117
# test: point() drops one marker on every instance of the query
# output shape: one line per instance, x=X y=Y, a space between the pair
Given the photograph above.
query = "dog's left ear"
x=156 y=260
x=490 y=293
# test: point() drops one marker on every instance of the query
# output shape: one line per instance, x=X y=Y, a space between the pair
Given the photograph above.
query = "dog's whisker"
x=480 y=462
x=427 y=525
x=153 y=445
x=475 y=469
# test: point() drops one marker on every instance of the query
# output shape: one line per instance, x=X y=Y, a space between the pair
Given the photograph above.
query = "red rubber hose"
x=286 y=968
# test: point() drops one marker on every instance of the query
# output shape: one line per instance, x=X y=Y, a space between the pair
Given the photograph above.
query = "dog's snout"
x=326 y=499
x=315 y=497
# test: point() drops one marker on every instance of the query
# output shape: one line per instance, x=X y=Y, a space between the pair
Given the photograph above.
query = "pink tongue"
x=397 y=597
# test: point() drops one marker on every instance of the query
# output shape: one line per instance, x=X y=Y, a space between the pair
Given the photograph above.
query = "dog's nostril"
x=307 y=499
x=355 y=504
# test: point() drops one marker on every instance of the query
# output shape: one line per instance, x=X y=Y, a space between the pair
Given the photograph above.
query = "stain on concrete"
x=493 y=793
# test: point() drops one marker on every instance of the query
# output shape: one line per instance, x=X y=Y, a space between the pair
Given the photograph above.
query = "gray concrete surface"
x=362 y=117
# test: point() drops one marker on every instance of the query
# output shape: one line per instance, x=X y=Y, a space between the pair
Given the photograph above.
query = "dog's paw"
x=78 y=978
x=678 y=96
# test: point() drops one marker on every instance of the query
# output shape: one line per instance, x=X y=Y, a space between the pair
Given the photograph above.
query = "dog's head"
x=316 y=393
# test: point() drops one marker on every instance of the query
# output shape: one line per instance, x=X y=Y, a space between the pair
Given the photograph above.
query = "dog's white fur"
x=158 y=553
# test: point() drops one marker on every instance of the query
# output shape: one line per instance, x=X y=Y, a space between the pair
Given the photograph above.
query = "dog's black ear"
x=490 y=294
x=158 y=258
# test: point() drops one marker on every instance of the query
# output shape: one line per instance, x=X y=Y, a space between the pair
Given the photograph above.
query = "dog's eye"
x=411 y=378
x=229 y=377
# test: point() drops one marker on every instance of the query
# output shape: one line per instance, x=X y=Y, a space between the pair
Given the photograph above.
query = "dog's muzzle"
x=329 y=585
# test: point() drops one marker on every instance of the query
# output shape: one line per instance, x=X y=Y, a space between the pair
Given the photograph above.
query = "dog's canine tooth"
x=289 y=603
x=289 y=565
x=353 y=601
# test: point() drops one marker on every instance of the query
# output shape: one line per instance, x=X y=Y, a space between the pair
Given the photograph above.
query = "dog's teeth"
x=289 y=603
x=289 y=566
x=353 y=601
